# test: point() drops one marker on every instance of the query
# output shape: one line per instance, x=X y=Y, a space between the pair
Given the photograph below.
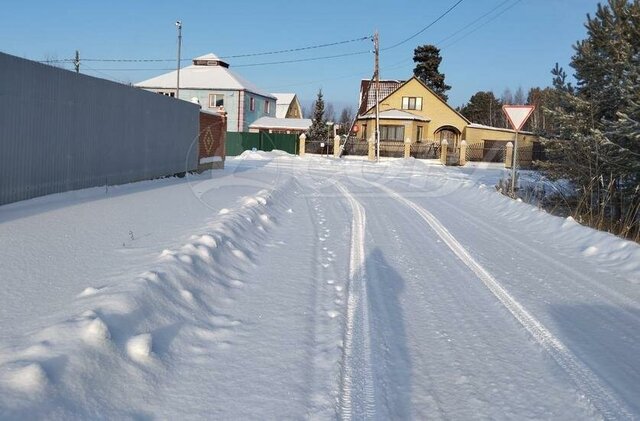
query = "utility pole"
x=76 y=61
x=376 y=74
x=179 y=26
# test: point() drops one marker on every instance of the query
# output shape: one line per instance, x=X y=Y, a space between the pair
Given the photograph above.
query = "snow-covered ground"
x=287 y=287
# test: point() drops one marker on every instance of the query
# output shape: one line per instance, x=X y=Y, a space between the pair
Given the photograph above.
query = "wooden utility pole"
x=76 y=61
x=376 y=75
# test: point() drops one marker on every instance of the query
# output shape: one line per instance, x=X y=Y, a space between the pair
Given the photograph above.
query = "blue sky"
x=515 y=45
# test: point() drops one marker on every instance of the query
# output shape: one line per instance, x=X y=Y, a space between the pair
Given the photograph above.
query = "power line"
x=304 y=59
x=255 y=64
x=465 y=27
x=290 y=50
x=153 y=60
x=426 y=27
x=108 y=76
x=472 y=22
x=480 y=26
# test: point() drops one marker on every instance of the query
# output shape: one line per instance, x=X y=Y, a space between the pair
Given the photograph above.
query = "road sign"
x=518 y=114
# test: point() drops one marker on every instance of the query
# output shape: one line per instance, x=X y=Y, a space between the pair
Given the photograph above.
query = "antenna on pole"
x=376 y=75
x=179 y=26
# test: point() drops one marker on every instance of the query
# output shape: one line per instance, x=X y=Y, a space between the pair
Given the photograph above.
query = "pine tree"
x=427 y=59
x=601 y=61
x=318 y=129
x=483 y=108
x=596 y=144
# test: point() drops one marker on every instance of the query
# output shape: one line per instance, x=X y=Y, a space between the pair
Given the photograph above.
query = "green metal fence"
x=238 y=142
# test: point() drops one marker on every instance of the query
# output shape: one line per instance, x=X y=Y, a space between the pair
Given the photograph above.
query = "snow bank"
x=96 y=360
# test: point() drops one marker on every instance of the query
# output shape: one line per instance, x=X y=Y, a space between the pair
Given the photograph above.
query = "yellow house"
x=411 y=112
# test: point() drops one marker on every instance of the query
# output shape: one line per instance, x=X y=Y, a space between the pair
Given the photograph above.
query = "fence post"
x=407 y=148
x=508 y=157
x=336 y=146
x=302 y=139
x=372 y=148
x=443 y=151
x=463 y=153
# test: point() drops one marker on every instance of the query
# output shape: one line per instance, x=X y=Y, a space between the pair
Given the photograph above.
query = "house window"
x=411 y=103
x=252 y=104
x=216 y=100
x=266 y=106
x=392 y=133
x=419 y=134
x=364 y=132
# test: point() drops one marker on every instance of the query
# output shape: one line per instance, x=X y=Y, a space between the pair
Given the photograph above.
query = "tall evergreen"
x=602 y=61
x=318 y=129
x=483 y=108
x=596 y=141
x=427 y=59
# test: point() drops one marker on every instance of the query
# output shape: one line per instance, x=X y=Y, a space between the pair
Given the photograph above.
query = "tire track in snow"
x=613 y=298
x=357 y=392
x=595 y=392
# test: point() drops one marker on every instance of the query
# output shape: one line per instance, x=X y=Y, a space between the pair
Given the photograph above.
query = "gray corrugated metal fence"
x=63 y=131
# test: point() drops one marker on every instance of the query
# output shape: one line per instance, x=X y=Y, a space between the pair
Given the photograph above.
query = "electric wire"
x=480 y=26
x=425 y=28
x=152 y=60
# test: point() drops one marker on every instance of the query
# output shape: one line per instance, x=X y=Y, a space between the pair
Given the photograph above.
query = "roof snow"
x=210 y=73
x=283 y=101
x=281 y=123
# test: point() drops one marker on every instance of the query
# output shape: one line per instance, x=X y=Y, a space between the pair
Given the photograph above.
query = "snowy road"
x=321 y=289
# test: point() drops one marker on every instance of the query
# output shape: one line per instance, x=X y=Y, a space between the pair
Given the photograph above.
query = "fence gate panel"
x=494 y=151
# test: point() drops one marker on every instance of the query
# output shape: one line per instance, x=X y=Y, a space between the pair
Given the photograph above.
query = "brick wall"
x=213 y=129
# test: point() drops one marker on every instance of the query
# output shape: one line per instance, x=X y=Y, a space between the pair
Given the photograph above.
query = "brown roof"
x=368 y=94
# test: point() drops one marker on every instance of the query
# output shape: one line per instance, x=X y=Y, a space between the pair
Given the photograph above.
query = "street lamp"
x=179 y=26
x=329 y=124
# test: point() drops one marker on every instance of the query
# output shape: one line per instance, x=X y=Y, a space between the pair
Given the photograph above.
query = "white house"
x=214 y=85
x=287 y=106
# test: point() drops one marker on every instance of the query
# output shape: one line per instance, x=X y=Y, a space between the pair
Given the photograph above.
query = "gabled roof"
x=283 y=102
x=395 y=114
x=209 y=73
x=281 y=123
x=368 y=95
x=428 y=89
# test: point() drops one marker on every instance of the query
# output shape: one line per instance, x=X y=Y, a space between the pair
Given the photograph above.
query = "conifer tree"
x=483 y=108
x=427 y=59
x=318 y=129
x=597 y=140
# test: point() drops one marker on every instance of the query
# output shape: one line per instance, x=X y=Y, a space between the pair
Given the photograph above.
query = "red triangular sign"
x=518 y=114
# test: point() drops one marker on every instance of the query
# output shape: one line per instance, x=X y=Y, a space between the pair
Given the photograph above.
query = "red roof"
x=368 y=94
